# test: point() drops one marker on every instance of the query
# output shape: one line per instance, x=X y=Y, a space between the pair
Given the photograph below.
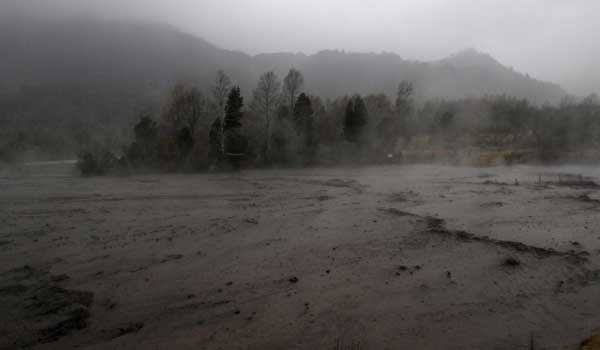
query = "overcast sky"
x=555 y=40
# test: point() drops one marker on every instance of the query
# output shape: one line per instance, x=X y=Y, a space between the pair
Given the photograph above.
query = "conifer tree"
x=302 y=111
x=356 y=119
x=233 y=110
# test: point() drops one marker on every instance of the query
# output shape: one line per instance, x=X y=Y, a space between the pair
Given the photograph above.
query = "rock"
x=511 y=262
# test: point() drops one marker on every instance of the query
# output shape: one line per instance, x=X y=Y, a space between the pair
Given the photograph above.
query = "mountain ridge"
x=144 y=59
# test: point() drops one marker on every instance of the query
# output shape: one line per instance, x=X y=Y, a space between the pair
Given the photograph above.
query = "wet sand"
x=389 y=257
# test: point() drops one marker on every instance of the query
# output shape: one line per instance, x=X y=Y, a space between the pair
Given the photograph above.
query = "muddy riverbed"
x=390 y=257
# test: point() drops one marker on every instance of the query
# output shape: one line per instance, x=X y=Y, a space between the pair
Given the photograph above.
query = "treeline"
x=283 y=125
x=52 y=122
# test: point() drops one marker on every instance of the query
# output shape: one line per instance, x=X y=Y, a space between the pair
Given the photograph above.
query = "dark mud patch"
x=402 y=197
x=97 y=198
x=338 y=183
x=171 y=257
x=75 y=319
x=489 y=205
x=341 y=183
x=53 y=212
x=322 y=198
x=585 y=198
x=503 y=190
x=35 y=308
x=511 y=262
x=96 y=258
x=577 y=281
x=411 y=270
x=122 y=331
x=498 y=183
x=576 y=181
x=437 y=226
x=579 y=184
x=203 y=305
x=480 y=183
x=398 y=212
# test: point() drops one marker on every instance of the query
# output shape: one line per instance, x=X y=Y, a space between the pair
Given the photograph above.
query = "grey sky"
x=555 y=40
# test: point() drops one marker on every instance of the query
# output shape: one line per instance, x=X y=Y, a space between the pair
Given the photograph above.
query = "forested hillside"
x=62 y=78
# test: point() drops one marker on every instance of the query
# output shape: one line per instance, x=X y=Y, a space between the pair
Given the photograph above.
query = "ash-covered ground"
x=390 y=257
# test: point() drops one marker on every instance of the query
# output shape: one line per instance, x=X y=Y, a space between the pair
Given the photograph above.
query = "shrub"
x=96 y=163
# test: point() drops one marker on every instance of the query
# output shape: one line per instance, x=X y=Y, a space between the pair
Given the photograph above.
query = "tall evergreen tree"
x=233 y=110
x=355 y=120
x=302 y=111
x=215 y=145
x=145 y=148
x=185 y=143
x=235 y=143
x=219 y=91
x=305 y=127
x=310 y=140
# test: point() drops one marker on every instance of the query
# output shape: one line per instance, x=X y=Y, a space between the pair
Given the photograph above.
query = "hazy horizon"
x=550 y=40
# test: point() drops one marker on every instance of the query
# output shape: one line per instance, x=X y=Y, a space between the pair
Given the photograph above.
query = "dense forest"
x=282 y=125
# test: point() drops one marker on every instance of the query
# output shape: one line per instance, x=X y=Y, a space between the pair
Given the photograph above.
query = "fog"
x=552 y=40
x=173 y=176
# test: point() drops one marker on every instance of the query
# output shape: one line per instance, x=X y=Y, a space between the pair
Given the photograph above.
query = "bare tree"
x=181 y=118
x=185 y=108
x=404 y=109
x=292 y=84
x=404 y=95
x=220 y=92
x=266 y=100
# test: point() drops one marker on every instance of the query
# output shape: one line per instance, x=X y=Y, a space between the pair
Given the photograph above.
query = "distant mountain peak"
x=471 y=57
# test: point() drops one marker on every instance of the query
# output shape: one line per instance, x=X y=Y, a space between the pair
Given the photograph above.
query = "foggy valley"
x=345 y=175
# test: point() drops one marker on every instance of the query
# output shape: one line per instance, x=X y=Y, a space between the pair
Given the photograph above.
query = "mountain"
x=63 y=71
x=39 y=51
